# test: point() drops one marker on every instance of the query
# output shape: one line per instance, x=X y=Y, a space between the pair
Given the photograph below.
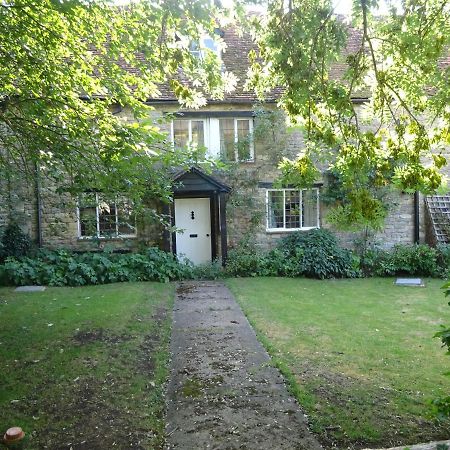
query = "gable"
x=194 y=180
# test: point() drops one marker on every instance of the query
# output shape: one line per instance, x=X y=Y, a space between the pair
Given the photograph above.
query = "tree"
x=398 y=137
x=441 y=405
x=63 y=77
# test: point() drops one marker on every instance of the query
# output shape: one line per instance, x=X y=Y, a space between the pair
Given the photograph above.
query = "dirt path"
x=223 y=394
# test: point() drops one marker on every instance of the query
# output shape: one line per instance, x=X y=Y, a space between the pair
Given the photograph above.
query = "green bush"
x=411 y=259
x=443 y=259
x=14 y=242
x=244 y=261
x=212 y=271
x=315 y=253
x=64 y=268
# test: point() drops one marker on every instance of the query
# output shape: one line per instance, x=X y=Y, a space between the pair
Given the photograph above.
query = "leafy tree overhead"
x=400 y=63
x=64 y=77
x=442 y=404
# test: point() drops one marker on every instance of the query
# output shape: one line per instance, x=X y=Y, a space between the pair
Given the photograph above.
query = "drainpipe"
x=416 y=218
x=38 y=207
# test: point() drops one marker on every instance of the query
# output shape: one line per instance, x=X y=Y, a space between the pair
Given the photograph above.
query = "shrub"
x=443 y=259
x=14 y=242
x=244 y=261
x=315 y=253
x=211 y=271
x=64 y=268
x=417 y=259
x=414 y=259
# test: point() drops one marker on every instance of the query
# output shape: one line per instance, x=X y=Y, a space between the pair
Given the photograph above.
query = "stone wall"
x=60 y=227
x=246 y=207
x=18 y=203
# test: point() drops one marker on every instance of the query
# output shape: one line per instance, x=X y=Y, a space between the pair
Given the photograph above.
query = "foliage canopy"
x=64 y=78
x=64 y=82
x=398 y=136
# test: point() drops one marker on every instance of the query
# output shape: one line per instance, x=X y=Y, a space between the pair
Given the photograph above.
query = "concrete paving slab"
x=429 y=446
x=223 y=393
x=30 y=289
x=418 y=282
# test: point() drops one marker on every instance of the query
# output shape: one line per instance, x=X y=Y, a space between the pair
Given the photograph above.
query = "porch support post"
x=223 y=228
x=166 y=232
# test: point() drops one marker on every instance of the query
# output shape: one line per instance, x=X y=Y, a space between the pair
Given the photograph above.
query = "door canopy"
x=196 y=181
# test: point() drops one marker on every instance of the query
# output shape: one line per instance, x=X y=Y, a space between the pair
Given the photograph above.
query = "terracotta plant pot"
x=14 y=434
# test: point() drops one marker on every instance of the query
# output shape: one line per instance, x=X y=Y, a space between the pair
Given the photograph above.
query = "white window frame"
x=212 y=143
x=200 y=51
x=236 y=139
x=284 y=229
x=97 y=217
x=190 y=120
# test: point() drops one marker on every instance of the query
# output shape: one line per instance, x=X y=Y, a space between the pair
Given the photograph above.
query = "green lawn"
x=358 y=354
x=84 y=367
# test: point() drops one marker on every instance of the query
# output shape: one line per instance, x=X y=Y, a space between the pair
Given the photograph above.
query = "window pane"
x=309 y=206
x=127 y=219
x=292 y=206
x=194 y=48
x=198 y=133
x=88 y=222
x=227 y=145
x=181 y=133
x=210 y=43
x=243 y=145
x=107 y=219
x=275 y=209
x=88 y=215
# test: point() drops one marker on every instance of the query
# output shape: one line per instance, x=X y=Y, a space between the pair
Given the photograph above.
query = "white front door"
x=193 y=221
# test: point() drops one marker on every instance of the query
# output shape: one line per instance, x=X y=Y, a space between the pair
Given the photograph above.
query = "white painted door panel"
x=193 y=221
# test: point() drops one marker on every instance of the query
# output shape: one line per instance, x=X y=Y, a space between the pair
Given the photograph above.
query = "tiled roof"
x=235 y=60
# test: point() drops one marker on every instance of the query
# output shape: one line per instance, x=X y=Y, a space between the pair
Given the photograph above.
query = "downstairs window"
x=100 y=218
x=292 y=209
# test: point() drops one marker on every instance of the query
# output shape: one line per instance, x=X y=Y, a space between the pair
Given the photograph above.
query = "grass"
x=358 y=354
x=85 y=367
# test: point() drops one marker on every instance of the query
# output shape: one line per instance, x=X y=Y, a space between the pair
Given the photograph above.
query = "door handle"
x=207 y=235
x=193 y=235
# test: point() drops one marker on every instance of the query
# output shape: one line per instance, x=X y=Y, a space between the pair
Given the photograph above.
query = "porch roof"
x=195 y=180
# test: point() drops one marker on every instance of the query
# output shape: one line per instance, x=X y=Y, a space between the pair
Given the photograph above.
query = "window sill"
x=288 y=230
x=106 y=238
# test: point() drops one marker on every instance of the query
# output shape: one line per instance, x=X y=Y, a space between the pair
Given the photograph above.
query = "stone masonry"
x=246 y=208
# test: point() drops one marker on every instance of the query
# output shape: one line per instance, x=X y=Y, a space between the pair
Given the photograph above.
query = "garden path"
x=223 y=392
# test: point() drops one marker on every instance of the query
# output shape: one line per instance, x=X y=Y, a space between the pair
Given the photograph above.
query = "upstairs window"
x=198 y=48
x=230 y=139
x=99 y=218
x=188 y=133
x=292 y=209
x=236 y=143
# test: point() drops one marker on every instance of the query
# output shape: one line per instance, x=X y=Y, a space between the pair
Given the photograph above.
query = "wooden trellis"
x=439 y=210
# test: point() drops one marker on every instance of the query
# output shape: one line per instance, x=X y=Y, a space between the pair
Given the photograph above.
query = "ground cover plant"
x=84 y=367
x=65 y=268
x=358 y=354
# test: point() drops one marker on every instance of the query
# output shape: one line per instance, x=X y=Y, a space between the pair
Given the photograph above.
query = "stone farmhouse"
x=214 y=211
